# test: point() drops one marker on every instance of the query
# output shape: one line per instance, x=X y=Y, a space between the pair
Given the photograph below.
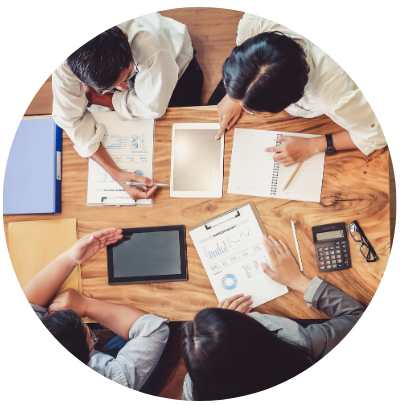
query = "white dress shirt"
x=329 y=90
x=161 y=49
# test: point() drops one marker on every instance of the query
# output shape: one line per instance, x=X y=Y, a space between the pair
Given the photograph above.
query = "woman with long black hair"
x=230 y=352
x=272 y=69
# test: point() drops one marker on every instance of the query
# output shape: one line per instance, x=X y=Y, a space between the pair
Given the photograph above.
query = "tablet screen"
x=197 y=160
x=147 y=254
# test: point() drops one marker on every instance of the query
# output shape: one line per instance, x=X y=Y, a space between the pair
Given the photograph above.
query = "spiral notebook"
x=254 y=172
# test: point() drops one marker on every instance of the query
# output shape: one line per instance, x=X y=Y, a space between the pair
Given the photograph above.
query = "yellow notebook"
x=34 y=244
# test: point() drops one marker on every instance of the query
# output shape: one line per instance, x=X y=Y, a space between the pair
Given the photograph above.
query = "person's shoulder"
x=40 y=311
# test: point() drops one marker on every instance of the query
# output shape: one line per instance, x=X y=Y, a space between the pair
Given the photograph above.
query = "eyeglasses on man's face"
x=94 y=337
x=134 y=72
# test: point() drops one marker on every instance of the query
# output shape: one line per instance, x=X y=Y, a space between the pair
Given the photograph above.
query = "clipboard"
x=231 y=251
x=234 y=213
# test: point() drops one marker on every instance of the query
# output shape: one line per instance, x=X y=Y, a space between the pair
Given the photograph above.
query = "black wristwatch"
x=330 y=149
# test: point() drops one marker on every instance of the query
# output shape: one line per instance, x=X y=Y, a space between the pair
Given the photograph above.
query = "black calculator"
x=331 y=247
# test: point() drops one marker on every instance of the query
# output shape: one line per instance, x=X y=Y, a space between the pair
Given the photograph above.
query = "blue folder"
x=32 y=183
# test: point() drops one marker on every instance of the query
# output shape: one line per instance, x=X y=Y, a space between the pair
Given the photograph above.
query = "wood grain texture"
x=354 y=187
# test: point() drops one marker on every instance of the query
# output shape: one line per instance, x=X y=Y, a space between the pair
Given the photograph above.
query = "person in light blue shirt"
x=140 y=337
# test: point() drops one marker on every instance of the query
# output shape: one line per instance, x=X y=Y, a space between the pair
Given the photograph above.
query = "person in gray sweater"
x=230 y=352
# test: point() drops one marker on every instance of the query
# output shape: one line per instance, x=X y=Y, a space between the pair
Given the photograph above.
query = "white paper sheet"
x=130 y=145
x=254 y=172
x=231 y=253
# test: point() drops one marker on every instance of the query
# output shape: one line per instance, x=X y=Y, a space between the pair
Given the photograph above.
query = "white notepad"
x=130 y=145
x=254 y=172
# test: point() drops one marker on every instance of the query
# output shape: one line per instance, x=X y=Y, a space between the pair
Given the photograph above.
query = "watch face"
x=330 y=151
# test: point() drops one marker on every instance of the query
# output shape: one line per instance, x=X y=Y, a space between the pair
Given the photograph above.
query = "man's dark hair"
x=267 y=72
x=228 y=354
x=70 y=331
x=100 y=61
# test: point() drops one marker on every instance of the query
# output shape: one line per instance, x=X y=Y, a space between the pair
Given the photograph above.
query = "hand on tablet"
x=228 y=113
x=239 y=303
x=136 y=192
x=90 y=244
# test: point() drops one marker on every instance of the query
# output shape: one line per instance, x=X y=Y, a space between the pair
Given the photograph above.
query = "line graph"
x=240 y=236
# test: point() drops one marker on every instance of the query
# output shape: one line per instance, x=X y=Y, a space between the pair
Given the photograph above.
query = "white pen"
x=141 y=184
x=297 y=245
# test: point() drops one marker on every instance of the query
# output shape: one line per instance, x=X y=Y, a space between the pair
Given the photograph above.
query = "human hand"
x=136 y=193
x=90 y=244
x=239 y=303
x=70 y=299
x=296 y=149
x=285 y=269
x=228 y=113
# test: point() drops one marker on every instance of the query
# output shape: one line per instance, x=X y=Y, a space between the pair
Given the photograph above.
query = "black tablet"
x=148 y=255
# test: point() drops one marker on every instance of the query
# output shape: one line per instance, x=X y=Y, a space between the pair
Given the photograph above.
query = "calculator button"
x=344 y=255
x=332 y=252
x=337 y=251
x=346 y=262
x=339 y=261
x=344 y=250
x=331 y=248
x=337 y=243
x=321 y=258
x=321 y=267
x=340 y=266
x=326 y=249
x=338 y=256
x=319 y=249
x=333 y=261
x=343 y=242
x=328 y=262
x=322 y=263
x=329 y=266
x=334 y=266
x=333 y=257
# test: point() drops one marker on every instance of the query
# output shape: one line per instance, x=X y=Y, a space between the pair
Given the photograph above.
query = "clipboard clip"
x=104 y=203
x=231 y=215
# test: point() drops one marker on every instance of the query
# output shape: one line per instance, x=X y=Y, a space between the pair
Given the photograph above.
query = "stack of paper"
x=34 y=244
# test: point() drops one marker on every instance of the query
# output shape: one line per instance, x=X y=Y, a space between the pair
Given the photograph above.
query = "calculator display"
x=330 y=235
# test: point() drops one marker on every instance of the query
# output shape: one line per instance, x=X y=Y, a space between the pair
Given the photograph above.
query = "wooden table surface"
x=355 y=187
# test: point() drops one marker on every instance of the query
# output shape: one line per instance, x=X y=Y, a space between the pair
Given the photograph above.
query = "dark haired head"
x=70 y=331
x=267 y=72
x=228 y=354
x=100 y=61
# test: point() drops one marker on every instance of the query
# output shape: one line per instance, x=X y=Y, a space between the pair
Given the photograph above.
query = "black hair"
x=228 y=354
x=267 y=72
x=70 y=331
x=100 y=61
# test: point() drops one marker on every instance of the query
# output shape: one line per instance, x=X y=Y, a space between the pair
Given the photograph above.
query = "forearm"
x=44 y=285
x=104 y=100
x=341 y=140
x=117 y=318
x=102 y=158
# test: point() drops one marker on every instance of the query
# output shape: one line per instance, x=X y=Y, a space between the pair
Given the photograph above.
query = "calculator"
x=331 y=247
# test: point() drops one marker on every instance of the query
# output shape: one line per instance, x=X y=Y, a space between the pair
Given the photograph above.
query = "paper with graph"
x=254 y=172
x=231 y=251
x=130 y=145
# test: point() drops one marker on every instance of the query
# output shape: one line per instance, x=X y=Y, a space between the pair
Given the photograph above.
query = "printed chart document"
x=130 y=145
x=231 y=251
x=254 y=172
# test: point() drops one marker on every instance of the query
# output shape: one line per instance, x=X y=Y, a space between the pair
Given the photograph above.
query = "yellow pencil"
x=294 y=173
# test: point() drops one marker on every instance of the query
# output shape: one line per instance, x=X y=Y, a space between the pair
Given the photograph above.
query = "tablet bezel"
x=183 y=276
x=197 y=194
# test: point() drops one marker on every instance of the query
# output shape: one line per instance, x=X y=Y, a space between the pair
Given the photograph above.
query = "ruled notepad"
x=254 y=172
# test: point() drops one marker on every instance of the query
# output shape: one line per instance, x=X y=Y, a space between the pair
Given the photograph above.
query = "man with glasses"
x=138 y=68
x=131 y=356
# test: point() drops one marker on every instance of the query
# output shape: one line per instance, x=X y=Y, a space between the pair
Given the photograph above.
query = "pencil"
x=294 y=173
